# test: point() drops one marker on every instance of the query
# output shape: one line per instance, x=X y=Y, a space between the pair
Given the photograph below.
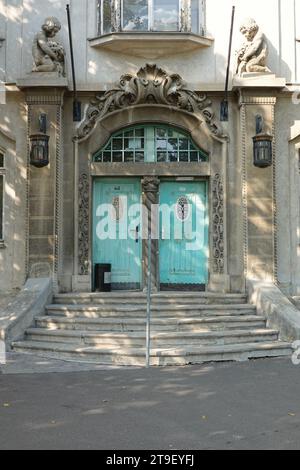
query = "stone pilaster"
x=150 y=188
x=259 y=192
x=45 y=189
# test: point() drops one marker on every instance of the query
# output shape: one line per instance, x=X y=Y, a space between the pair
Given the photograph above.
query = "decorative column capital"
x=150 y=184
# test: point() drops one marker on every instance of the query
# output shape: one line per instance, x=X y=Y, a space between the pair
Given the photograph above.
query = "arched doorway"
x=179 y=205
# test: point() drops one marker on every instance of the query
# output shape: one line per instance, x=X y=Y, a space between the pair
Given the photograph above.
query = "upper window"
x=151 y=15
x=150 y=144
x=2 y=174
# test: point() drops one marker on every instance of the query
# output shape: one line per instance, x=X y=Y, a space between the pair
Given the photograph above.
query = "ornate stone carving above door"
x=218 y=224
x=150 y=85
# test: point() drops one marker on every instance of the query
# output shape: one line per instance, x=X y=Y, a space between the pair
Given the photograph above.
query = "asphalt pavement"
x=252 y=405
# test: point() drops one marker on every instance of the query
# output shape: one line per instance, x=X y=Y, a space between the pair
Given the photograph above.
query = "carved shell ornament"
x=151 y=85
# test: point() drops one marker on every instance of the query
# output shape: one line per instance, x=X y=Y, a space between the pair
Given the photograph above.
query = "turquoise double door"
x=117 y=230
x=183 y=232
x=183 y=245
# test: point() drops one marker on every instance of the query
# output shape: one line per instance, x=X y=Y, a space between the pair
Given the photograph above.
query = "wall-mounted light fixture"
x=262 y=146
x=39 y=144
x=43 y=123
x=39 y=150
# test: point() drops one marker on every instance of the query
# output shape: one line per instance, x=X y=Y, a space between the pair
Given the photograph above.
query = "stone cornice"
x=44 y=99
x=257 y=100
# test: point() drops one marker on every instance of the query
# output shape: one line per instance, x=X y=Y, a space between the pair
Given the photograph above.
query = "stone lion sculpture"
x=252 y=57
x=48 y=54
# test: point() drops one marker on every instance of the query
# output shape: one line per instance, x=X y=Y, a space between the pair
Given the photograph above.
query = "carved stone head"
x=51 y=26
x=249 y=29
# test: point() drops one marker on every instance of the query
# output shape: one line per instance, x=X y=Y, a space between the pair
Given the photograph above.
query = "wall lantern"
x=262 y=146
x=39 y=150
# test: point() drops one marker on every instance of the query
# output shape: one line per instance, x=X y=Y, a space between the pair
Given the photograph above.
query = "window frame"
x=117 y=7
x=2 y=175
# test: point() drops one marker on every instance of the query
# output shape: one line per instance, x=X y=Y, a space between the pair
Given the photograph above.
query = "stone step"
x=138 y=311
x=158 y=340
x=120 y=324
x=159 y=357
x=141 y=298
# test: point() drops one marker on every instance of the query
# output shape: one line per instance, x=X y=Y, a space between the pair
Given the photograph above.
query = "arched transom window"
x=148 y=144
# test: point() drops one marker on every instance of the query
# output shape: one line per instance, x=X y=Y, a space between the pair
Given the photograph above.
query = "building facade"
x=150 y=78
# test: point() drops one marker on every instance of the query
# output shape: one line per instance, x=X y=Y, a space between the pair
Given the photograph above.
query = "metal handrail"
x=148 y=323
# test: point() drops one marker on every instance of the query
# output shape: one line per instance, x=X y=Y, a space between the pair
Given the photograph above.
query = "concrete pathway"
x=254 y=405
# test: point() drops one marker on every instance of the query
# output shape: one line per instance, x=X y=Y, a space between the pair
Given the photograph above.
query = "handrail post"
x=148 y=325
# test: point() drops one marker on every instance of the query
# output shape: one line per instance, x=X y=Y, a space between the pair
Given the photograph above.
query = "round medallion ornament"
x=183 y=209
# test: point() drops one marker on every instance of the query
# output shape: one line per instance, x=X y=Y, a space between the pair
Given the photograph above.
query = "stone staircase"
x=186 y=328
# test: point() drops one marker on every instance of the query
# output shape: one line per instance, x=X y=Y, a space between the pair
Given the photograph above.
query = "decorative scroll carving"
x=218 y=225
x=151 y=85
x=252 y=56
x=83 y=225
x=150 y=184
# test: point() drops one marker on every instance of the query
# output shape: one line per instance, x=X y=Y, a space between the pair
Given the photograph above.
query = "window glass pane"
x=117 y=144
x=128 y=157
x=161 y=133
x=166 y=15
x=129 y=134
x=107 y=157
x=106 y=16
x=173 y=144
x=1 y=160
x=117 y=157
x=1 y=206
x=195 y=16
x=194 y=156
x=161 y=144
x=139 y=132
x=183 y=143
x=173 y=156
x=139 y=157
x=183 y=156
x=161 y=156
x=135 y=15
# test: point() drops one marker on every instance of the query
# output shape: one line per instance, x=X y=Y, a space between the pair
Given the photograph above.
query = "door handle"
x=137 y=230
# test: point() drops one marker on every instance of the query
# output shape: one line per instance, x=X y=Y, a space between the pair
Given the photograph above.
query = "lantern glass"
x=263 y=150
x=39 y=153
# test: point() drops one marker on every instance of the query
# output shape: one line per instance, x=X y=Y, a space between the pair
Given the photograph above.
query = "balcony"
x=151 y=28
x=150 y=45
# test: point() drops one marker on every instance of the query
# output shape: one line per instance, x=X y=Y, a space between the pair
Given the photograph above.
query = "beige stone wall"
x=258 y=192
x=13 y=143
x=262 y=238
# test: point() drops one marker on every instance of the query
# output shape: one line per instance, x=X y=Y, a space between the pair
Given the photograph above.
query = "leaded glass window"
x=150 y=144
